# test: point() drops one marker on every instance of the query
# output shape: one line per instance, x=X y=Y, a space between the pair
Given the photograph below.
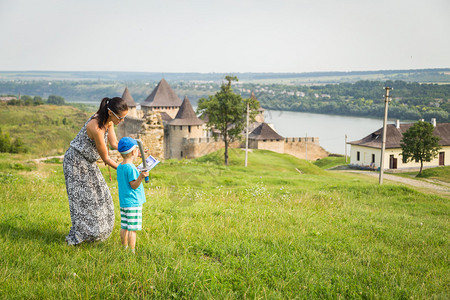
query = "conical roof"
x=128 y=98
x=162 y=96
x=165 y=116
x=186 y=115
x=264 y=132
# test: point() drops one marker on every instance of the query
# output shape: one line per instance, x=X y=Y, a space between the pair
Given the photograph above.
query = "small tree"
x=226 y=112
x=18 y=146
x=57 y=100
x=37 y=100
x=5 y=142
x=27 y=100
x=420 y=144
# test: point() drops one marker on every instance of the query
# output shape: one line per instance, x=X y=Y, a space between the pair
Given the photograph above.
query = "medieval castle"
x=169 y=128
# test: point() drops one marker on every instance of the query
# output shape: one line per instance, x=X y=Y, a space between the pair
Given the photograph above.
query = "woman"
x=90 y=202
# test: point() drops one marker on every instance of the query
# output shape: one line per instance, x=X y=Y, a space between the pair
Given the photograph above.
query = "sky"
x=209 y=36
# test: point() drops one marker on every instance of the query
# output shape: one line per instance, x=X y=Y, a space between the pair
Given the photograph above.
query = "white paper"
x=151 y=163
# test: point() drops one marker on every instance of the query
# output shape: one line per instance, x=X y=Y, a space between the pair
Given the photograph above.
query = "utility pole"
x=246 y=134
x=306 y=146
x=383 y=145
x=345 y=148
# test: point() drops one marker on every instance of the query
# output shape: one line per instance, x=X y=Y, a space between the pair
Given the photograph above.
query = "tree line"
x=36 y=100
x=410 y=101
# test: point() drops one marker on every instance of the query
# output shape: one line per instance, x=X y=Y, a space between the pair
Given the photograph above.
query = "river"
x=330 y=129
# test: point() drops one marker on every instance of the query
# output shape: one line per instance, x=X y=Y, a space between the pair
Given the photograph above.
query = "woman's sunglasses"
x=118 y=118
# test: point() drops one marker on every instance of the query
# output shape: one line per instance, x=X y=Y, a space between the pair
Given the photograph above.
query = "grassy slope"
x=441 y=173
x=225 y=232
x=438 y=175
x=41 y=128
x=330 y=162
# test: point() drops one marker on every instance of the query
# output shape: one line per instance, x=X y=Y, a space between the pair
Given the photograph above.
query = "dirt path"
x=433 y=186
x=39 y=160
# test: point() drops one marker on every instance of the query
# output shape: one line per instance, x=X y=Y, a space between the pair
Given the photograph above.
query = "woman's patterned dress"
x=90 y=201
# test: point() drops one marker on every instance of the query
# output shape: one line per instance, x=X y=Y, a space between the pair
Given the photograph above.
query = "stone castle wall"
x=197 y=147
x=150 y=130
x=132 y=112
x=272 y=145
x=131 y=125
x=176 y=136
x=170 y=110
x=300 y=147
x=152 y=135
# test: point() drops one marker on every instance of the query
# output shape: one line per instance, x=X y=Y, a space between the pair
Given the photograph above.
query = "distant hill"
x=441 y=75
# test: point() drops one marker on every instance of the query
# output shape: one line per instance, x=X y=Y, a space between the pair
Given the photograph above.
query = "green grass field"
x=330 y=162
x=45 y=129
x=210 y=231
x=441 y=173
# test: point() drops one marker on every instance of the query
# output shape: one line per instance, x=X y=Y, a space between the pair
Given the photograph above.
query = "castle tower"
x=130 y=102
x=162 y=99
x=185 y=125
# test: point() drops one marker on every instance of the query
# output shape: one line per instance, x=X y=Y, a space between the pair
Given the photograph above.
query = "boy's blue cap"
x=126 y=145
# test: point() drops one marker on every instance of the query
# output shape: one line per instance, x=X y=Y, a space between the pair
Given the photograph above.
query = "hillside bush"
x=9 y=145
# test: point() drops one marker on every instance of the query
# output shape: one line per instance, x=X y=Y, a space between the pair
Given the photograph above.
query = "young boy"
x=131 y=193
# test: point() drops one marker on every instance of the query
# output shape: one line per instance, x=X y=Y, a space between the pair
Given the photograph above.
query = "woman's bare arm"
x=97 y=134
x=112 y=138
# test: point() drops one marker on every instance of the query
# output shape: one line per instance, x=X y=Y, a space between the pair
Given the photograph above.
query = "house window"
x=189 y=128
x=181 y=154
x=373 y=158
x=358 y=155
x=181 y=127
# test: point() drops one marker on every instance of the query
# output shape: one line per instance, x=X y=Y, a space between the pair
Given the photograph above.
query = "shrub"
x=7 y=145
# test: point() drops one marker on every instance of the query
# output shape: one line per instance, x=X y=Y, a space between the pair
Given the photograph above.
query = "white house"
x=367 y=151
